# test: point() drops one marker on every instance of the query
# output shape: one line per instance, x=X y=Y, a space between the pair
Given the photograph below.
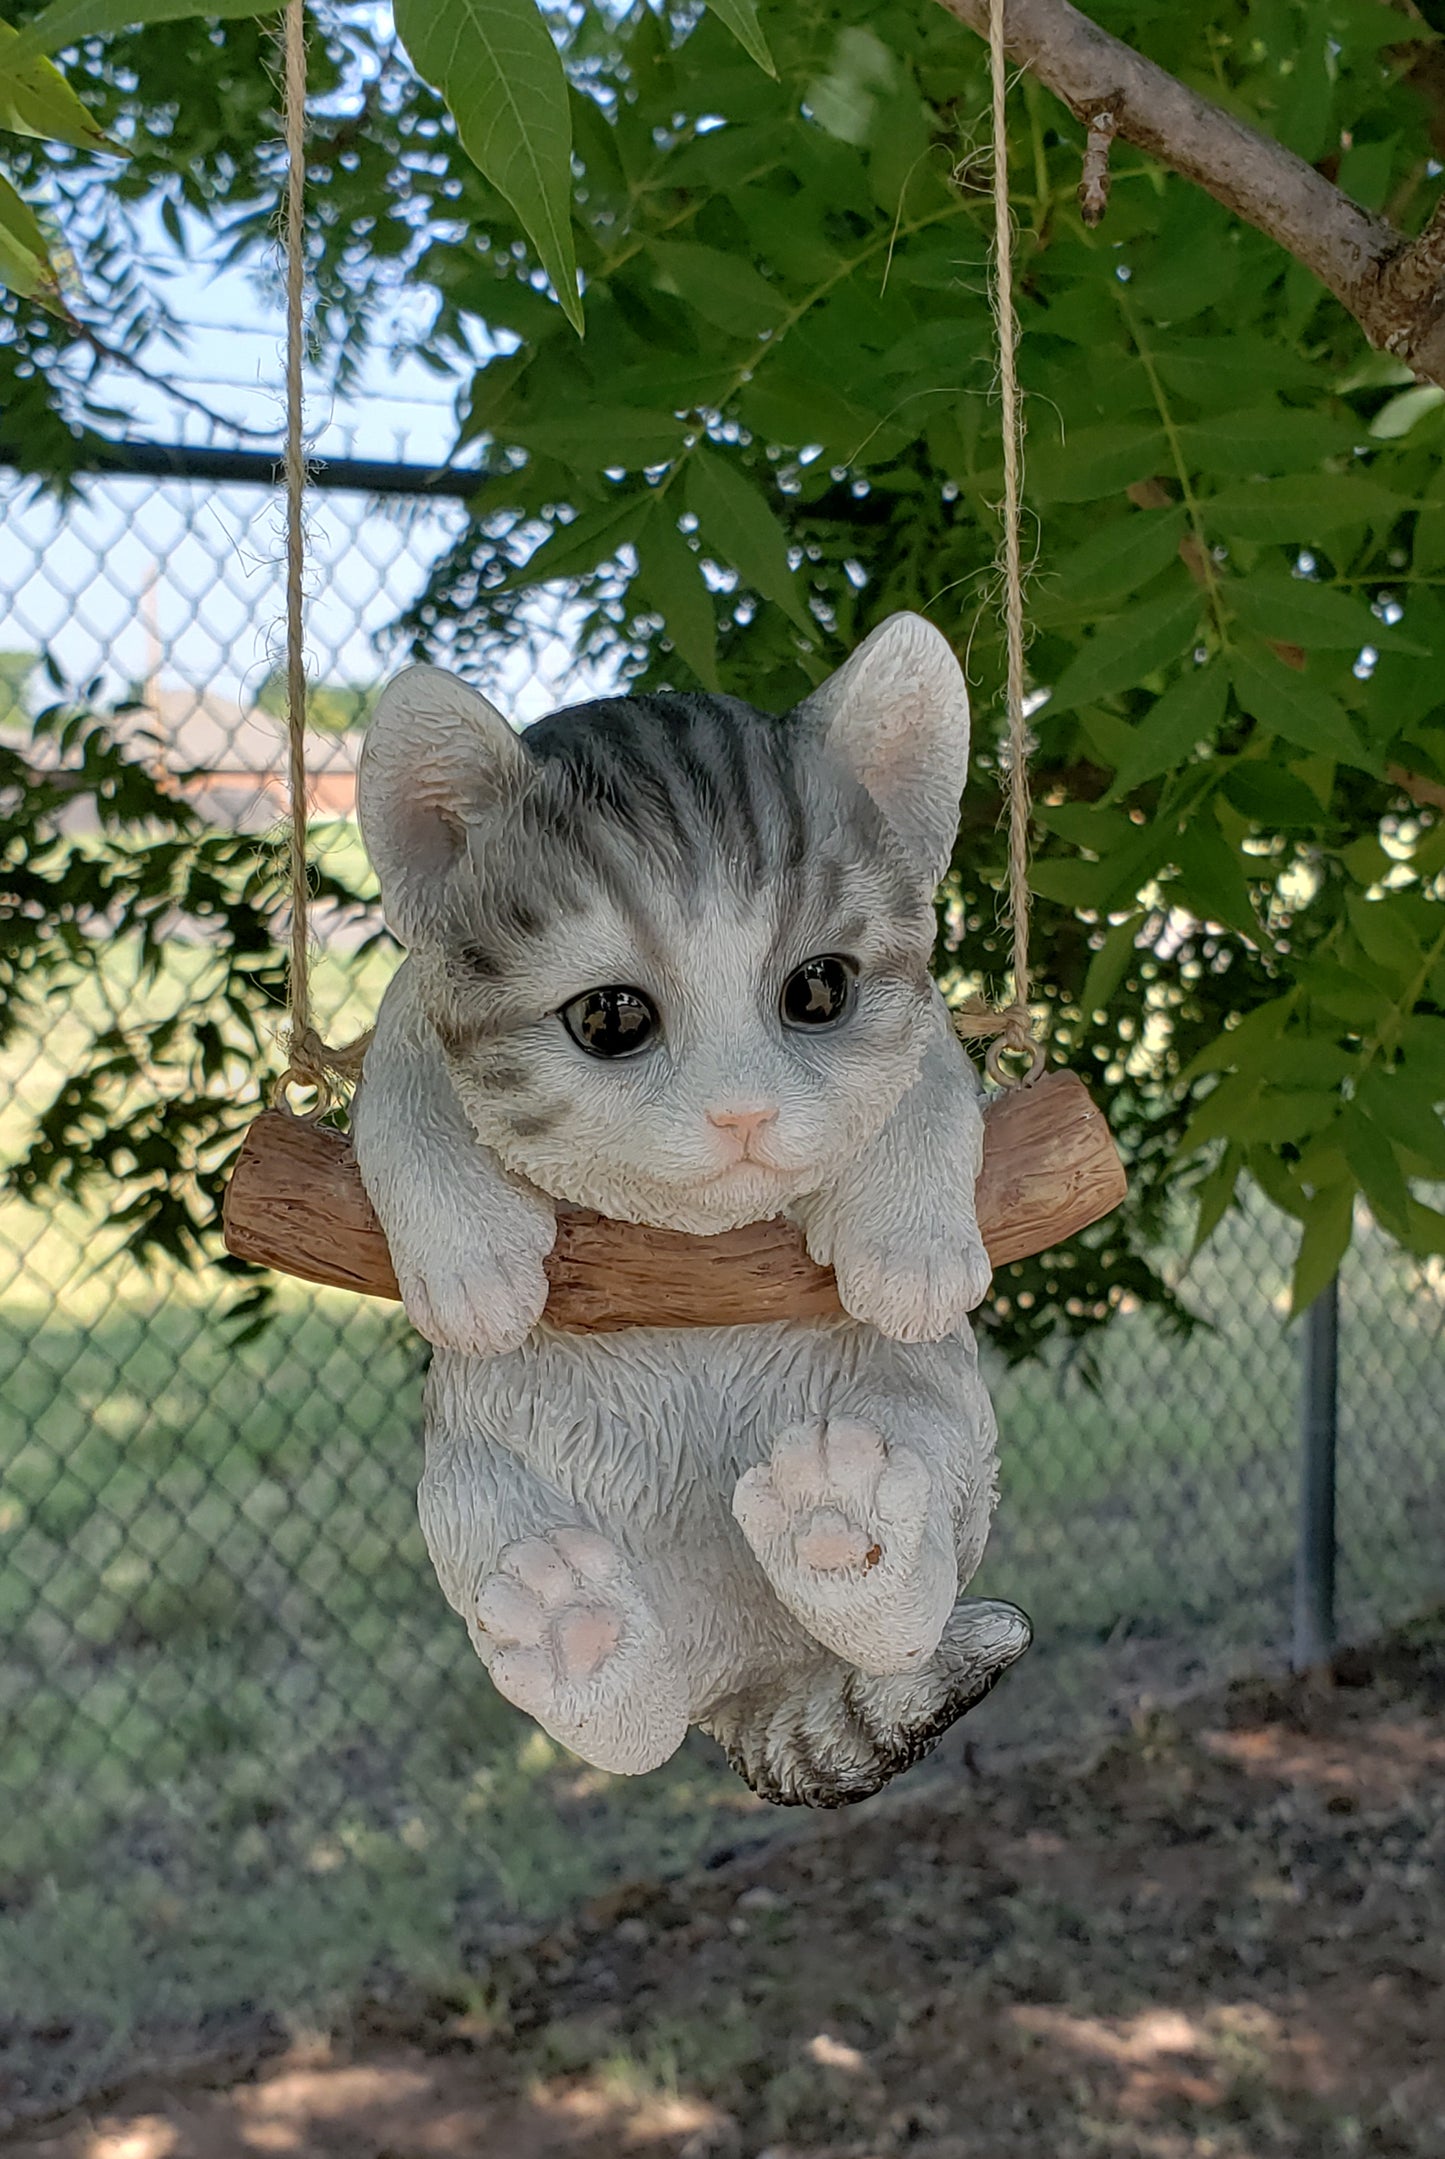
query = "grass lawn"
x=247 y=1753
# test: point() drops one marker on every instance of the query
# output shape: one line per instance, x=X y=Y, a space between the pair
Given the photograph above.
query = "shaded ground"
x=1222 y=1937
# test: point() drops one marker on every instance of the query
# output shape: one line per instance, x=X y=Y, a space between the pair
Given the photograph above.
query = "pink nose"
x=744 y=1124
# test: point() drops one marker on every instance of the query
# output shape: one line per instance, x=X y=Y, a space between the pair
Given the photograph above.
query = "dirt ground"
x=1222 y=1937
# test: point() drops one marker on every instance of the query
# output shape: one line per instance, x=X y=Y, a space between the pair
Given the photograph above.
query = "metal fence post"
x=1314 y=1580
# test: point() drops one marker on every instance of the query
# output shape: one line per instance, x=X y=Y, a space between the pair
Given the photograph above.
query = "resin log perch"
x=296 y=1203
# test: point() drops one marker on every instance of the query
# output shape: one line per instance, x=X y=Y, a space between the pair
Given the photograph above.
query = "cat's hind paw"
x=569 y=1638
x=832 y=1735
x=851 y=1536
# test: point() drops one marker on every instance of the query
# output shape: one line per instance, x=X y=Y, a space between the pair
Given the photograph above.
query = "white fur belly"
x=633 y=1425
x=644 y=1436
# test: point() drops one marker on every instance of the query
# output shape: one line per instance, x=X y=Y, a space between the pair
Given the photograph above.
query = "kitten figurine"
x=668 y=959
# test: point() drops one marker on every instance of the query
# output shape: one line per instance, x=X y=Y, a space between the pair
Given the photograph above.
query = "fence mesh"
x=249 y=1761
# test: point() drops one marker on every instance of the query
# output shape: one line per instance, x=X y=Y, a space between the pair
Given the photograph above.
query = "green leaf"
x=1126 y=863
x=1214 y=1197
x=1212 y=880
x=681 y=385
x=738 y=527
x=1266 y=438
x=66 y=22
x=1302 y=507
x=582 y=546
x=1366 y=860
x=1138 y=644
x=25 y=265
x=1074 y=883
x=741 y=17
x=1385 y=935
x=1402 y=1104
x=1110 y=565
x=1086 y=824
x=1341 y=994
x=793 y=410
x=1374 y=1162
x=1306 y=1060
x=1230 y=371
x=1425 y=1230
x=495 y=63
x=1284 y=1116
x=1280 y=1181
x=1290 y=704
x=1093 y=461
x=36 y=99
x=1190 y=711
x=1329 y=1224
x=1243 y=1045
x=1108 y=967
x=726 y=291
x=1300 y=612
x=1271 y=795
x=1423 y=1036
x=670 y=576
x=1218 y=1115
x=598 y=436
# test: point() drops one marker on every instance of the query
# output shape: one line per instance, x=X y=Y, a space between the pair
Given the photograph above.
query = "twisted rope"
x=311 y=1062
x=1012 y=1028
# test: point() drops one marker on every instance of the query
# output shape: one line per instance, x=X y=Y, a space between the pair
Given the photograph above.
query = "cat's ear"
x=437 y=756
x=896 y=714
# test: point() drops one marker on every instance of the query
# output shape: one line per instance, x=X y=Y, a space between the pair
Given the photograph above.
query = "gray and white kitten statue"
x=668 y=959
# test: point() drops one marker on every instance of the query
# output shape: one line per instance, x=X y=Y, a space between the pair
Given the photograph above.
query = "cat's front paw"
x=477 y=1295
x=479 y=1309
x=568 y=1636
x=919 y=1289
x=850 y=1534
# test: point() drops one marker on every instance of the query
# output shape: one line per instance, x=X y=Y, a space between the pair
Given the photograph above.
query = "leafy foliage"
x=154 y=1106
x=780 y=427
x=331 y=707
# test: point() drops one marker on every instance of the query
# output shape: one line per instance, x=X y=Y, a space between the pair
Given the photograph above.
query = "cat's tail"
x=835 y=1735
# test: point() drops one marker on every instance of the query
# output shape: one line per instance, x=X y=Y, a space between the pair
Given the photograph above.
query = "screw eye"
x=818 y=993
x=610 y=1022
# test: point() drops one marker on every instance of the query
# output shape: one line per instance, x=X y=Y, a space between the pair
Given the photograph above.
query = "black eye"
x=610 y=1022
x=818 y=993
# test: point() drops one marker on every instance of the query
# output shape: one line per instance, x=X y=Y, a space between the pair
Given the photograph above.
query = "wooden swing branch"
x=1392 y=285
x=295 y=1203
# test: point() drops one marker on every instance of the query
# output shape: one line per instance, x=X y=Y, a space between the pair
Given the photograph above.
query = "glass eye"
x=818 y=993
x=611 y=1022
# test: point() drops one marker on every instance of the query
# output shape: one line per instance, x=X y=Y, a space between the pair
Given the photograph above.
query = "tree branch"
x=1394 y=287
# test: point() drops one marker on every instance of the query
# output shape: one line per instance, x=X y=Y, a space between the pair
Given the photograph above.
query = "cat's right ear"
x=896 y=715
x=437 y=757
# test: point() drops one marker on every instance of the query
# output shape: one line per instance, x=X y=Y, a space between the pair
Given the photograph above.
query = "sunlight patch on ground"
x=310 y=2106
x=1401 y=1753
x=151 y=2138
x=641 y=2118
x=1161 y=2052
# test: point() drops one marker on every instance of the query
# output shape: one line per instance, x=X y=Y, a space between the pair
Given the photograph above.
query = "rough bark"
x=1394 y=287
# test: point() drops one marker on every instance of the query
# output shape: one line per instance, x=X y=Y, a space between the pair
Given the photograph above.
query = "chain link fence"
x=249 y=1763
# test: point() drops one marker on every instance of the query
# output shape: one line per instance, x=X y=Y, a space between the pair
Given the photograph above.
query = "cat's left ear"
x=896 y=715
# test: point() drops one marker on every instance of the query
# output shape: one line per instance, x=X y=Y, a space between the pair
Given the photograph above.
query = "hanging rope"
x=1013 y=1026
x=310 y=1061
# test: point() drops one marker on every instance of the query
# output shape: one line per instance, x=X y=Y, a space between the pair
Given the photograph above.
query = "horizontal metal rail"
x=127 y=459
